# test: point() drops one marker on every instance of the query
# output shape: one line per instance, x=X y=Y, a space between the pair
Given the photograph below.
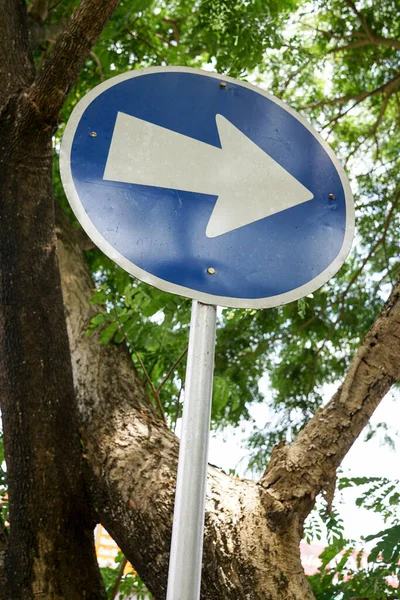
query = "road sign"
x=206 y=186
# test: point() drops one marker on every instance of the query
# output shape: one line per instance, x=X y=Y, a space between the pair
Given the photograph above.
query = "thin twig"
x=151 y=384
x=139 y=38
x=98 y=63
x=118 y=580
x=172 y=369
x=378 y=148
x=375 y=126
x=283 y=90
x=334 y=120
x=355 y=149
x=322 y=346
x=174 y=25
x=54 y=6
x=372 y=130
x=160 y=343
x=385 y=253
x=178 y=404
x=163 y=39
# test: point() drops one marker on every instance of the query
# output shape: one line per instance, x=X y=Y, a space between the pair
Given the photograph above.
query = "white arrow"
x=250 y=185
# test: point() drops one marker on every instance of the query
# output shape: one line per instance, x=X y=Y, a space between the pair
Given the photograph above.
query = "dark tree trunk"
x=50 y=549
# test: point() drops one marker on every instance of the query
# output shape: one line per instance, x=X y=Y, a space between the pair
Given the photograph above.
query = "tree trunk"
x=50 y=548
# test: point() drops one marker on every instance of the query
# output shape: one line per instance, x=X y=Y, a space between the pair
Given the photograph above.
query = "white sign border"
x=162 y=284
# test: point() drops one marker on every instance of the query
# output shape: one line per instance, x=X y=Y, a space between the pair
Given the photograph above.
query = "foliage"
x=129 y=584
x=153 y=324
x=323 y=60
x=346 y=571
x=369 y=583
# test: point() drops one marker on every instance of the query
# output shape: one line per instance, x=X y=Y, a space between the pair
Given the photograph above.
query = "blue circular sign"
x=206 y=186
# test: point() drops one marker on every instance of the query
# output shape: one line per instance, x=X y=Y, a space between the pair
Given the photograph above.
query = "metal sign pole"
x=187 y=535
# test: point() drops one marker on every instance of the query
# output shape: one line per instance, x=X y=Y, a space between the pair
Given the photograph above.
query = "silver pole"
x=184 y=576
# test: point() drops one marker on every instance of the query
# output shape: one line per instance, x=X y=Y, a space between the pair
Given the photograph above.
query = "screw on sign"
x=213 y=189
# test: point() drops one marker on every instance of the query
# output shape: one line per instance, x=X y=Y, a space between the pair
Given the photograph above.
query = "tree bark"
x=16 y=64
x=63 y=65
x=50 y=551
x=51 y=548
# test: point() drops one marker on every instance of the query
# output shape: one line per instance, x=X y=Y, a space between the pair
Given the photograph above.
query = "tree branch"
x=310 y=463
x=357 y=39
x=372 y=38
x=98 y=63
x=175 y=27
x=16 y=63
x=62 y=67
x=392 y=43
x=376 y=41
x=351 y=45
x=388 y=87
x=133 y=458
x=39 y=9
x=172 y=369
x=361 y=18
